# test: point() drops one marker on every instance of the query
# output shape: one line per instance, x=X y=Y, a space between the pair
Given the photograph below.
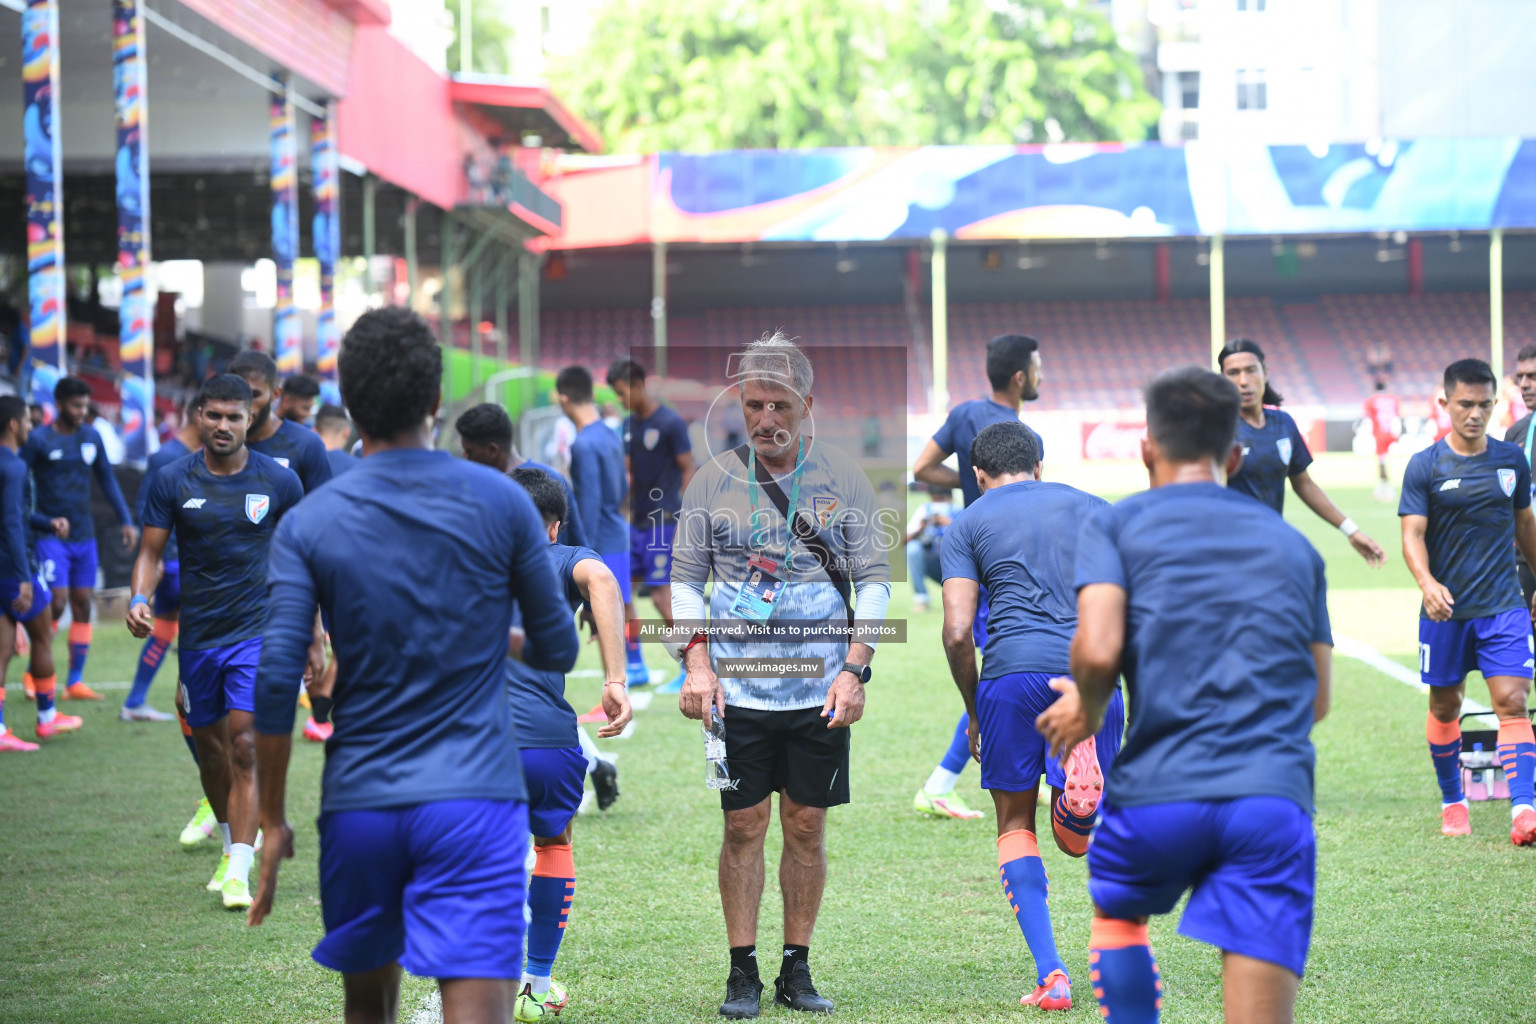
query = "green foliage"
x=721 y=74
x=492 y=38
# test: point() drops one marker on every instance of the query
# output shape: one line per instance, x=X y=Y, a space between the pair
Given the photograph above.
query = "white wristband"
x=1348 y=527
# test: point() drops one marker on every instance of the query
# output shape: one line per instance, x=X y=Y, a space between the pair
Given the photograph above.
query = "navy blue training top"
x=543 y=717
x=340 y=462
x=225 y=524
x=653 y=445
x=416 y=557
x=571 y=531
x=598 y=480
x=1019 y=541
x=160 y=458
x=16 y=552
x=965 y=421
x=1223 y=602
x=62 y=465
x=300 y=449
x=1271 y=456
x=1470 y=502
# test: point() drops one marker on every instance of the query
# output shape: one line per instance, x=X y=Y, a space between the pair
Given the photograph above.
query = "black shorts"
x=784 y=751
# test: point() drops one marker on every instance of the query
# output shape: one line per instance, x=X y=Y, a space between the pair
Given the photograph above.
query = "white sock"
x=48 y=716
x=1518 y=809
x=941 y=782
x=224 y=828
x=588 y=747
x=1457 y=803
x=540 y=985
x=240 y=856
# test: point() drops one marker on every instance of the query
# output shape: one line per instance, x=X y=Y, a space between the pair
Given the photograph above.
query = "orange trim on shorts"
x=46 y=685
x=164 y=629
x=1516 y=730
x=1109 y=933
x=1438 y=732
x=79 y=632
x=554 y=862
x=1019 y=843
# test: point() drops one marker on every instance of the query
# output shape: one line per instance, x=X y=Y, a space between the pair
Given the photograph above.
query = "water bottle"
x=716 y=774
x=1479 y=788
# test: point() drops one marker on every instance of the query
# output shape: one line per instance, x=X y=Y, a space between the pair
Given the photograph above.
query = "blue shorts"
x=650 y=553
x=1252 y=863
x=1498 y=645
x=41 y=596
x=218 y=680
x=1013 y=753
x=67 y=563
x=168 y=592
x=618 y=564
x=439 y=887
x=979 y=623
x=554 y=777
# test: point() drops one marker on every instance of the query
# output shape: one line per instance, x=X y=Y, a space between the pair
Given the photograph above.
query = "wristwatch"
x=862 y=671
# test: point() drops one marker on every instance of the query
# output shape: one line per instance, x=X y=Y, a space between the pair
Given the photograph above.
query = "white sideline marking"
x=430 y=1011
x=1369 y=655
x=640 y=701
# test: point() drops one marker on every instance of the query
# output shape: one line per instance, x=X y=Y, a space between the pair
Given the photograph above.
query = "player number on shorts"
x=1423 y=657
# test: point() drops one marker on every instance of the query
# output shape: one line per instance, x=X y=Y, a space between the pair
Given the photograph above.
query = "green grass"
x=103 y=917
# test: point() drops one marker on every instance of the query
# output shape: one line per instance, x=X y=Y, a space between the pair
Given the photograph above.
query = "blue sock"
x=1124 y=975
x=45 y=689
x=632 y=654
x=1072 y=831
x=1023 y=873
x=192 y=748
x=550 y=891
x=1445 y=749
x=149 y=662
x=2 y=706
x=79 y=647
x=959 y=753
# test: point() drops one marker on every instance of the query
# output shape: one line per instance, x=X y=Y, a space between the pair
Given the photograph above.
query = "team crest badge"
x=1283 y=446
x=280 y=461
x=825 y=511
x=257 y=506
x=650 y=437
x=88 y=453
x=1507 y=481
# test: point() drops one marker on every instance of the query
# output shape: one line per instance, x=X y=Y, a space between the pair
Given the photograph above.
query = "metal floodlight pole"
x=370 y=229
x=659 y=305
x=1218 y=267
x=939 y=270
x=1496 y=302
x=412 y=265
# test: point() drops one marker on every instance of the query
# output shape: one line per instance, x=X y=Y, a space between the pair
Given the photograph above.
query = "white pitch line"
x=430 y=1011
x=1364 y=652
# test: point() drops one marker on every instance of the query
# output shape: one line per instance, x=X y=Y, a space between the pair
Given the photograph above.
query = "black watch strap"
x=862 y=671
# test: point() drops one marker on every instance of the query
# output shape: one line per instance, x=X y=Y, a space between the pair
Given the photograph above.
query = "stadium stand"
x=1098 y=354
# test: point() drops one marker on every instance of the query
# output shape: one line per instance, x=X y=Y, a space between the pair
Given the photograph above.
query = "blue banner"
x=327 y=240
x=287 y=339
x=45 y=177
x=136 y=326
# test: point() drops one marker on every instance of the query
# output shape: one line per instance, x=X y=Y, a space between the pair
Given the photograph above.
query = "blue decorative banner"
x=287 y=339
x=136 y=328
x=45 y=176
x=327 y=241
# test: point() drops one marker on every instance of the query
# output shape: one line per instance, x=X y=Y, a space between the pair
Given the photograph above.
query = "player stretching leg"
x=1028 y=576
x=63 y=458
x=23 y=592
x=423 y=818
x=659 y=458
x=167 y=604
x=1014 y=373
x=223 y=503
x=1466 y=502
x=1216 y=611
x=553 y=762
x=1274 y=450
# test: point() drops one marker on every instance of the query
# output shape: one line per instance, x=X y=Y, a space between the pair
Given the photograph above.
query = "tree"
x=492 y=38
x=721 y=74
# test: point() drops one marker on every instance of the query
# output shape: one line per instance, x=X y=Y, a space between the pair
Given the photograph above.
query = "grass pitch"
x=103 y=917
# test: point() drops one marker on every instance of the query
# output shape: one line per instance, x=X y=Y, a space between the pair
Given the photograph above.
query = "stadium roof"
x=525 y=109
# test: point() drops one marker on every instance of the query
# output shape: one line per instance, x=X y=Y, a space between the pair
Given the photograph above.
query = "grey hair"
x=775 y=358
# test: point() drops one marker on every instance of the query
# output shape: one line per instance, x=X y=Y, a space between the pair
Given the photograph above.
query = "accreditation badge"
x=760 y=592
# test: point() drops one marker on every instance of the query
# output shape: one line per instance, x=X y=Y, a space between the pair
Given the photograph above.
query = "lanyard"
x=759 y=531
x=1530 y=432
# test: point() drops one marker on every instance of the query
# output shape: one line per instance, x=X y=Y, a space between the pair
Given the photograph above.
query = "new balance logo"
x=194 y=503
x=1451 y=485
